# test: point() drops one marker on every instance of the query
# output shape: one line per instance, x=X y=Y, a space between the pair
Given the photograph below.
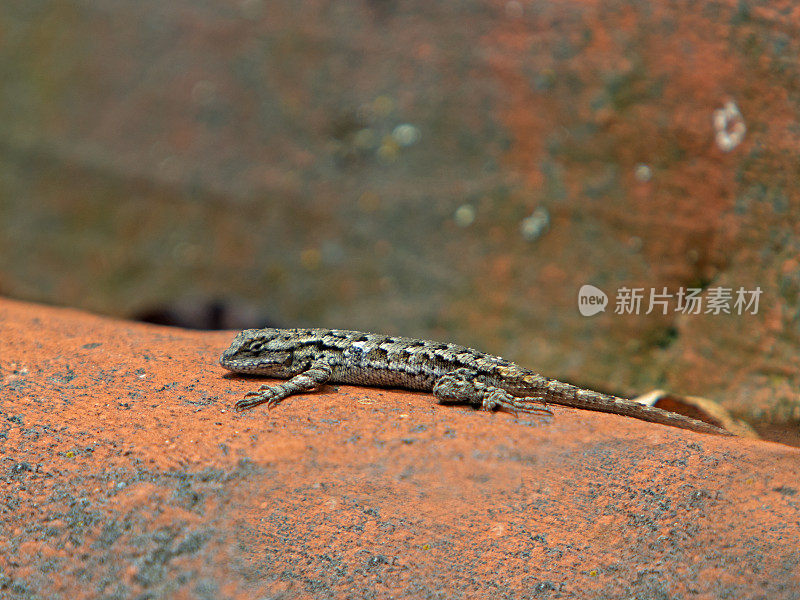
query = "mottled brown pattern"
x=309 y=358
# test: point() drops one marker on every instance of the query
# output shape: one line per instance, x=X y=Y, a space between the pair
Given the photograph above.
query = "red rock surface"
x=126 y=475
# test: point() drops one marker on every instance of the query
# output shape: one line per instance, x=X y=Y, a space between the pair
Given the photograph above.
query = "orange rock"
x=126 y=473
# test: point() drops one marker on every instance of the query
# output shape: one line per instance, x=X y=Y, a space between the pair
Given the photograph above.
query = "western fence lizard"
x=310 y=358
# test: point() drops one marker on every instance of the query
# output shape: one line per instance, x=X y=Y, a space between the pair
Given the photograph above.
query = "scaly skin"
x=310 y=358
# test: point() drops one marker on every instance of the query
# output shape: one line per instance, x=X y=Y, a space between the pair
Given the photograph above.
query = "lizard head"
x=260 y=352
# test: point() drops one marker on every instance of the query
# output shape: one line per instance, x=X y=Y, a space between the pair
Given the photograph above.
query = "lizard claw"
x=252 y=399
x=514 y=405
x=242 y=405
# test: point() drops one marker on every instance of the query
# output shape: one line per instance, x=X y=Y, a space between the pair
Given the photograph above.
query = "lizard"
x=310 y=358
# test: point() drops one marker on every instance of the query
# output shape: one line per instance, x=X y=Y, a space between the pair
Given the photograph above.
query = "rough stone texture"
x=123 y=474
x=246 y=150
x=594 y=91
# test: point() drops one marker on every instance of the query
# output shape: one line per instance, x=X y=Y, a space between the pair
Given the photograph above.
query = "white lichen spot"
x=464 y=215
x=729 y=126
x=642 y=172
x=534 y=226
x=406 y=134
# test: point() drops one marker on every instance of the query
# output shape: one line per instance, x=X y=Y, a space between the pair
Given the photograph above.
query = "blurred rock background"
x=453 y=170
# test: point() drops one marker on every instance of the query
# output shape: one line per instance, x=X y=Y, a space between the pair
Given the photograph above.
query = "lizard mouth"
x=228 y=361
x=233 y=360
x=239 y=365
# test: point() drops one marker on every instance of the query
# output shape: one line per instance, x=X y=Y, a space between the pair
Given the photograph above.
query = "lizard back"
x=357 y=357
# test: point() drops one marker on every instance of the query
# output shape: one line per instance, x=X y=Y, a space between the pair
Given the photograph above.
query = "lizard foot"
x=494 y=398
x=252 y=399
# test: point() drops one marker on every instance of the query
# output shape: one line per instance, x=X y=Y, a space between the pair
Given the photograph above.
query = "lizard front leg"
x=316 y=375
x=462 y=386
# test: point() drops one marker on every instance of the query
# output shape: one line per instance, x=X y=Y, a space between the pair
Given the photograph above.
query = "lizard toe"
x=252 y=399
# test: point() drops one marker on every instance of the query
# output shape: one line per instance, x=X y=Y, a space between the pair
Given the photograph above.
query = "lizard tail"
x=570 y=395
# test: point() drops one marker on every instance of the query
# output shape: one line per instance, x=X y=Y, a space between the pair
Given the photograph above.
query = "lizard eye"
x=255 y=346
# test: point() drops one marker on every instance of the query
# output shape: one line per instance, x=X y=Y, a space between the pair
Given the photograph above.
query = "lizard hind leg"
x=462 y=387
x=458 y=387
